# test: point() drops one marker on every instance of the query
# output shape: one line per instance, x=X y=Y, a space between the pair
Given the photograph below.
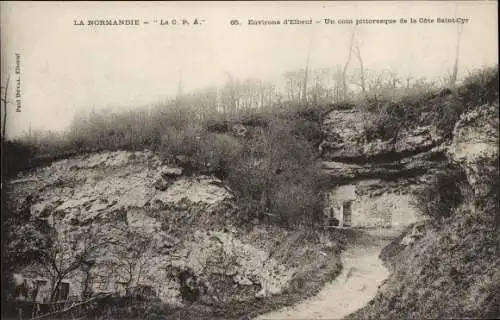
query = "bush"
x=275 y=177
x=157 y=310
x=271 y=169
x=390 y=118
x=217 y=151
x=16 y=157
x=429 y=106
x=309 y=130
x=480 y=87
x=181 y=141
x=445 y=194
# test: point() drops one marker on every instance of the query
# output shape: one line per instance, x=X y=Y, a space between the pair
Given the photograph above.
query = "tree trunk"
x=304 y=86
x=306 y=75
x=4 y=126
x=361 y=69
x=85 y=286
x=454 y=75
x=179 y=86
x=262 y=95
x=55 y=288
x=346 y=65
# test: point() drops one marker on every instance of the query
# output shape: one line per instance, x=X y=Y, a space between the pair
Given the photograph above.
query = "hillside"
x=145 y=223
x=167 y=215
x=449 y=266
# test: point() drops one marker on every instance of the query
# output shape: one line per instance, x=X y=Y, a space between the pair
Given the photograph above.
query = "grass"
x=271 y=167
x=270 y=163
x=452 y=270
x=440 y=107
x=275 y=157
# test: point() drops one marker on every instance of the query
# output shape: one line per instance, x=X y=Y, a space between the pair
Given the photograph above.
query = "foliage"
x=277 y=176
x=274 y=157
x=16 y=157
x=444 y=194
x=421 y=106
x=452 y=270
x=157 y=310
x=480 y=87
x=24 y=240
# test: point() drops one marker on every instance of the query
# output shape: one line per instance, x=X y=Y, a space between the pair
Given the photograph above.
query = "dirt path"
x=361 y=275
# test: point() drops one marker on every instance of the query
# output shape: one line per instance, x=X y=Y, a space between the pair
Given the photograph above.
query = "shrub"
x=221 y=126
x=429 y=106
x=217 y=151
x=391 y=117
x=157 y=311
x=488 y=184
x=181 y=141
x=480 y=87
x=271 y=169
x=445 y=194
x=275 y=177
x=255 y=120
x=16 y=157
x=309 y=130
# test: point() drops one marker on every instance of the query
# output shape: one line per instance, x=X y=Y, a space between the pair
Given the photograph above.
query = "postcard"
x=249 y=160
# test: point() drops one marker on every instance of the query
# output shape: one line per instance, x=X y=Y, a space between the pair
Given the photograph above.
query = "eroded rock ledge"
x=174 y=234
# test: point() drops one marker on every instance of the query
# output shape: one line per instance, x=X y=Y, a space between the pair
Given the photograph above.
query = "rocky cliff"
x=149 y=225
x=475 y=146
x=448 y=268
x=383 y=172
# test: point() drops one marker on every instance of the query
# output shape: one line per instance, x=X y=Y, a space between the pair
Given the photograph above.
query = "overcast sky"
x=65 y=68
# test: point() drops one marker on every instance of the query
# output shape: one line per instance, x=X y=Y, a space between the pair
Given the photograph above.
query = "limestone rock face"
x=345 y=133
x=475 y=145
x=156 y=223
x=404 y=165
x=384 y=172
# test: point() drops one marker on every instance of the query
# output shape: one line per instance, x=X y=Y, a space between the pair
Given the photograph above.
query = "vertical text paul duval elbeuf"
x=18 y=82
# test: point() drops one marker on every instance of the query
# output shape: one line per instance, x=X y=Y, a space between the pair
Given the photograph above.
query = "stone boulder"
x=166 y=176
x=153 y=218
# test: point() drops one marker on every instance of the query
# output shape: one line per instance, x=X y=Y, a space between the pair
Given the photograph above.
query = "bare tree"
x=394 y=79
x=132 y=256
x=233 y=99
x=346 y=65
x=206 y=100
x=339 y=83
x=453 y=78
x=306 y=74
x=319 y=91
x=262 y=93
x=5 y=102
x=180 y=86
x=357 y=53
x=408 y=80
x=295 y=85
x=67 y=254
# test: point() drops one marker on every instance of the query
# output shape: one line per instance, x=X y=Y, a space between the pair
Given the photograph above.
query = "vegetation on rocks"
x=440 y=107
x=447 y=267
x=449 y=271
x=231 y=193
x=272 y=156
x=135 y=220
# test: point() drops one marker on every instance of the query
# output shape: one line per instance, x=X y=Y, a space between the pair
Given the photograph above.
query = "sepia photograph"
x=249 y=160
